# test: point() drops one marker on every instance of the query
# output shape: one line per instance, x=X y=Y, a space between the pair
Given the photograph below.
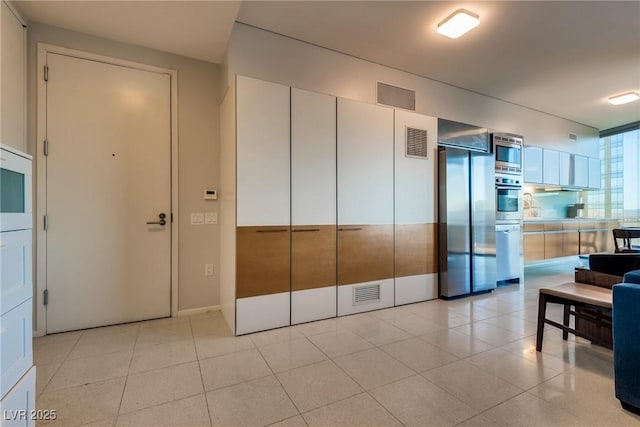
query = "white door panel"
x=313 y=158
x=108 y=173
x=263 y=152
x=16 y=356
x=16 y=406
x=415 y=179
x=365 y=163
x=16 y=283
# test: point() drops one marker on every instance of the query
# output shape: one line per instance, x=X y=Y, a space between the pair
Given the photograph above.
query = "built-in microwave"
x=507 y=150
x=15 y=190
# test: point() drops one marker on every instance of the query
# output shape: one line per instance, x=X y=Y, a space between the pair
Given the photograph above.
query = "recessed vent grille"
x=366 y=294
x=416 y=145
x=396 y=96
x=573 y=137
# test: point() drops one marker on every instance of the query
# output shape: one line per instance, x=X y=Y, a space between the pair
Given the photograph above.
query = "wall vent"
x=416 y=143
x=573 y=137
x=396 y=97
x=366 y=294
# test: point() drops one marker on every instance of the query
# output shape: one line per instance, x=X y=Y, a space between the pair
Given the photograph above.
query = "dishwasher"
x=509 y=257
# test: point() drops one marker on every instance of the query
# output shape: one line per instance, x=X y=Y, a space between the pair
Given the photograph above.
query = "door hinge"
x=45 y=297
x=45 y=222
x=172 y=217
x=46 y=73
x=45 y=148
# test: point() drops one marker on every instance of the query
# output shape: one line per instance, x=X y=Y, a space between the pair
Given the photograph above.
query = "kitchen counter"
x=569 y=220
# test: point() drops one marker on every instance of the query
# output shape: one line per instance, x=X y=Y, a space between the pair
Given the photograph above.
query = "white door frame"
x=40 y=325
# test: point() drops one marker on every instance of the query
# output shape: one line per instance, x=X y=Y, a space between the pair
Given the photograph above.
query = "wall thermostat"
x=211 y=194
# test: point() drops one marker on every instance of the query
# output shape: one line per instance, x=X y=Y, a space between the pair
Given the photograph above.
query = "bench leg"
x=565 y=320
x=542 y=309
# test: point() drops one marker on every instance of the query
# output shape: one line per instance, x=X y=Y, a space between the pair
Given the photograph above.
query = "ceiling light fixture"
x=624 y=98
x=458 y=23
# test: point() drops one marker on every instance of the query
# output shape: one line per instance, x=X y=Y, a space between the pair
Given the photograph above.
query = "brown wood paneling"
x=570 y=243
x=415 y=249
x=533 y=247
x=313 y=257
x=365 y=253
x=552 y=245
x=533 y=226
x=588 y=242
x=552 y=226
x=263 y=261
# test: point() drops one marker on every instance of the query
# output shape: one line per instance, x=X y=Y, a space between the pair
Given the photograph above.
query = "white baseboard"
x=199 y=310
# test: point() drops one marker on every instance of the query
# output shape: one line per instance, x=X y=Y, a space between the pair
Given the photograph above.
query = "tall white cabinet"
x=313 y=206
x=263 y=244
x=17 y=374
x=416 y=262
x=365 y=207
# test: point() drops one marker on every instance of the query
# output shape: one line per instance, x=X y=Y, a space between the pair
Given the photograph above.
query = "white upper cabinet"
x=13 y=75
x=415 y=176
x=365 y=163
x=313 y=158
x=594 y=173
x=551 y=167
x=263 y=153
x=564 y=167
x=533 y=164
x=580 y=171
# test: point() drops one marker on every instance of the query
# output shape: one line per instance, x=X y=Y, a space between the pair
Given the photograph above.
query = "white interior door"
x=108 y=174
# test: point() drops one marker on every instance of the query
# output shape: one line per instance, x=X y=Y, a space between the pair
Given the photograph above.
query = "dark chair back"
x=625 y=235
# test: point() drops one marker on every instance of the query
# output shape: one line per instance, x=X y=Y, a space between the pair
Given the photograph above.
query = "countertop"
x=569 y=220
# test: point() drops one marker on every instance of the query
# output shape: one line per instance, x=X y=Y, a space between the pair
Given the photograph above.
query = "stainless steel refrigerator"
x=467 y=220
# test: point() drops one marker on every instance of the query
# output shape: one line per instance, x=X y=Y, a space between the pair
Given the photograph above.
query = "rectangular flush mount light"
x=458 y=23
x=624 y=98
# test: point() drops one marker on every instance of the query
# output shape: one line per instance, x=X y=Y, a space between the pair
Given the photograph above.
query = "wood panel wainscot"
x=415 y=249
x=313 y=256
x=263 y=261
x=365 y=253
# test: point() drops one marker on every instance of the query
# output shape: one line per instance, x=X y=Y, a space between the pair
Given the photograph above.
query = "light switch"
x=208 y=269
x=197 y=218
x=210 y=218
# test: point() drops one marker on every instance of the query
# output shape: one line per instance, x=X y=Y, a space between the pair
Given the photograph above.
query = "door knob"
x=162 y=221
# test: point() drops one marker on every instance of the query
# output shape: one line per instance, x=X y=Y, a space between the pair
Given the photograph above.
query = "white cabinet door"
x=263 y=146
x=580 y=171
x=16 y=408
x=533 y=164
x=365 y=163
x=13 y=80
x=564 y=165
x=551 y=167
x=16 y=355
x=594 y=173
x=313 y=158
x=16 y=283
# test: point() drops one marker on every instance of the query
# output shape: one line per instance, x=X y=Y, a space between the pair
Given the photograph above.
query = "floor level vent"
x=366 y=294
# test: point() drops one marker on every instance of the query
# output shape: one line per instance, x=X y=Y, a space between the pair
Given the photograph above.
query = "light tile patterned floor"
x=468 y=362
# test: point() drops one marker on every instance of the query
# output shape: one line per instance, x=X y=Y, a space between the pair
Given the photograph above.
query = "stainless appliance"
x=466 y=217
x=507 y=149
x=508 y=198
x=509 y=252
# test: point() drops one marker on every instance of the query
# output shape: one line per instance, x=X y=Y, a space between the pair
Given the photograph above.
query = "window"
x=619 y=196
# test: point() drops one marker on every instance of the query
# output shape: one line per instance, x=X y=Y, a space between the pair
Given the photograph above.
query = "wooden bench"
x=578 y=295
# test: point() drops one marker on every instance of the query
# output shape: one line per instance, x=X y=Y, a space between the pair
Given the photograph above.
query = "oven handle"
x=508 y=187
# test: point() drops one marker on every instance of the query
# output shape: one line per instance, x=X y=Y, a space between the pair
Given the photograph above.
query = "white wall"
x=265 y=55
x=198 y=124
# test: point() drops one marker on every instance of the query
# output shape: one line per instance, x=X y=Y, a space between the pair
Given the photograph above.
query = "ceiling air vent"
x=416 y=143
x=366 y=294
x=396 y=97
x=573 y=137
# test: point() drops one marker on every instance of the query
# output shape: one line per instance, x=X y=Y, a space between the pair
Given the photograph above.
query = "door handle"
x=162 y=221
x=350 y=229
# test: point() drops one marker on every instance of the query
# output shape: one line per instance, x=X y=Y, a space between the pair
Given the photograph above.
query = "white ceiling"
x=197 y=29
x=564 y=58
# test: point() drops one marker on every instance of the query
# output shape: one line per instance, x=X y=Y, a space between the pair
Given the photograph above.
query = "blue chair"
x=626 y=341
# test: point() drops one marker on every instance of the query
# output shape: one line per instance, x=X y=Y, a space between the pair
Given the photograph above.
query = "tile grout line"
x=204 y=389
x=126 y=380
x=44 y=389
